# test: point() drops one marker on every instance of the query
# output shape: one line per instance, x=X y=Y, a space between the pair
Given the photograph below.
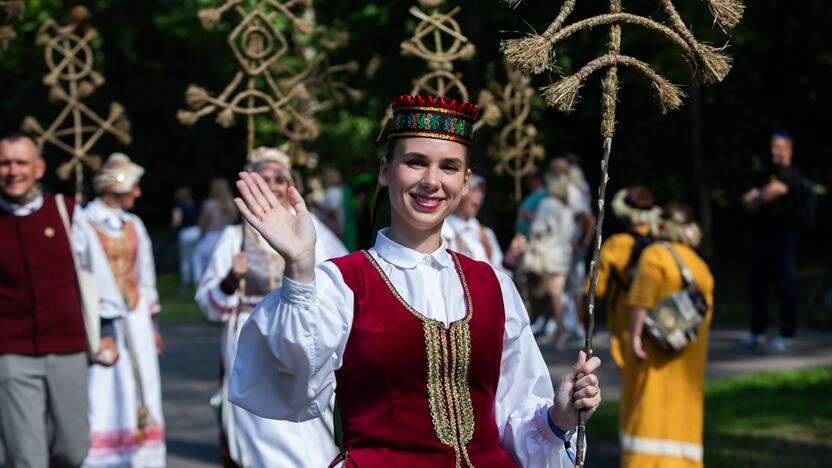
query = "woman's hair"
x=221 y=192
x=639 y=197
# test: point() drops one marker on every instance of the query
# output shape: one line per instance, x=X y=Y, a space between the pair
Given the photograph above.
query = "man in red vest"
x=43 y=359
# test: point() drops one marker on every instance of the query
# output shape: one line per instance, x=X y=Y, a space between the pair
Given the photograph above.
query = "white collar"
x=459 y=225
x=22 y=210
x=105 y=216
x=407 y=258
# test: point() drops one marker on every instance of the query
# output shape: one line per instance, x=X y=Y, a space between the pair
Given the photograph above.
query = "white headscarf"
x=118 y=175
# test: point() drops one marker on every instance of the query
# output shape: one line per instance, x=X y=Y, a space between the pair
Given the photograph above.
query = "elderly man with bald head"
x=43 y=344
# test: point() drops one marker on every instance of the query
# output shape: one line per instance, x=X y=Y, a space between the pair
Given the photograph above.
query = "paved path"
x=189 y=373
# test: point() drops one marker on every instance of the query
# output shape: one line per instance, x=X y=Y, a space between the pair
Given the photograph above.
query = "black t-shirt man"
x=775 y=204
x=776 y=207
x=783 y=211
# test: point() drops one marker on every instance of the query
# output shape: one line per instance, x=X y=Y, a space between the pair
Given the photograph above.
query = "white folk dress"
x=293 y=343
x=118 y=394
x=472 y=239
x=254 y=441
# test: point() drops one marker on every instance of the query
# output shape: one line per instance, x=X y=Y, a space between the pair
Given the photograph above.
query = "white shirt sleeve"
x=149 y=296
x=214 y=303
x=525 y=392
x=290 y=347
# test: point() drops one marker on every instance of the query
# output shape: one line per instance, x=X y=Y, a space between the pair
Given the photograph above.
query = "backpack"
x=674 y=321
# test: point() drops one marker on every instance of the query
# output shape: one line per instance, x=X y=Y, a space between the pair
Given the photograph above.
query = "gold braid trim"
x=448 y=365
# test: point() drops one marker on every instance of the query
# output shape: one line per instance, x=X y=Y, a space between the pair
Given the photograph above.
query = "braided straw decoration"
x=533 y=54
x=263 y=86
x=515 y=149
x=439 y=41
x=69 y=55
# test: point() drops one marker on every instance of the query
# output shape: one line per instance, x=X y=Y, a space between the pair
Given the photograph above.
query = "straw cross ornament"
x=534 y=54
x=258 y=45
x=263 y=85
x=77 y=128
x=10 y=11
x=515 y=149
x=439 y=41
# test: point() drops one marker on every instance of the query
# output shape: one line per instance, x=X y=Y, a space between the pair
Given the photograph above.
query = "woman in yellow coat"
x=616 y=266
x=665 y=407
x=618 y=259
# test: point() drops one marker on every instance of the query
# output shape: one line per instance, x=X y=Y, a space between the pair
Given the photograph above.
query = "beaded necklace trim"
x=448 y=364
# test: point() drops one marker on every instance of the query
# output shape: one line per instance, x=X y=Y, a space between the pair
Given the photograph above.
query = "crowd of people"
x=421 y=350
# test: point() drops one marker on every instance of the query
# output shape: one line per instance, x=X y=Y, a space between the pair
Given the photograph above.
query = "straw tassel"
x=727 y=13
x=226 y=118
x=93 y=161
x=713 y=65
x=512 y=3
x=56 y=93
x=195 y=96
x=563 y=94
x=85 y=88
x=187 y=117
x=65 y=169
x=30 y=125
x=668 y=96
x=531 y=55
x=430 y=3
x=209 y=17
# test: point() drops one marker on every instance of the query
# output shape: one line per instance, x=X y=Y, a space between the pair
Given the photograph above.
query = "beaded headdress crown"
x=431 y=117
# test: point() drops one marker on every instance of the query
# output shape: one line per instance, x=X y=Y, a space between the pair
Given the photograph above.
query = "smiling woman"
x=425 y=179
x=430 y=351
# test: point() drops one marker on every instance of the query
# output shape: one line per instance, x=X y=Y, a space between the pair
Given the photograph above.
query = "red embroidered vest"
x=40 y=311
x=384 y=386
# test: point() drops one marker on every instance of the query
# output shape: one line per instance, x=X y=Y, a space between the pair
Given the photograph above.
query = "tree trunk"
x=697 y=158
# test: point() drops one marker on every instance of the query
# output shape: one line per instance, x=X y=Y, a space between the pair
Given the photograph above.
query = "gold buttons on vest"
x=49 y=232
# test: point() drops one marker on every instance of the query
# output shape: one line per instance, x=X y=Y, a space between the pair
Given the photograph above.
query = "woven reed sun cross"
x=439 y=41
x=533 y=54
x=71 y=78
x=258 y=45
x=515 y=149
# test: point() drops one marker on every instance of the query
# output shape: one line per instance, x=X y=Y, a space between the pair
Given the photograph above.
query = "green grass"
x=176 y=304
x=765 y=420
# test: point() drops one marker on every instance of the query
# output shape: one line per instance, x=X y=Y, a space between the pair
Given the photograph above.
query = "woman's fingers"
x=296 y=200
x=588 y=403
x=247 y=195
x=250 y=217
x=253 y=194
x=589 y=391
x=591 y=365
x=254 y=181
x=587 y=381
x=265 y=191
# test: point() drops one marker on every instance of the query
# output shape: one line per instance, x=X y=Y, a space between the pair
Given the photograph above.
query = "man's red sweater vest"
x=382 y=386
x=40 y=311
